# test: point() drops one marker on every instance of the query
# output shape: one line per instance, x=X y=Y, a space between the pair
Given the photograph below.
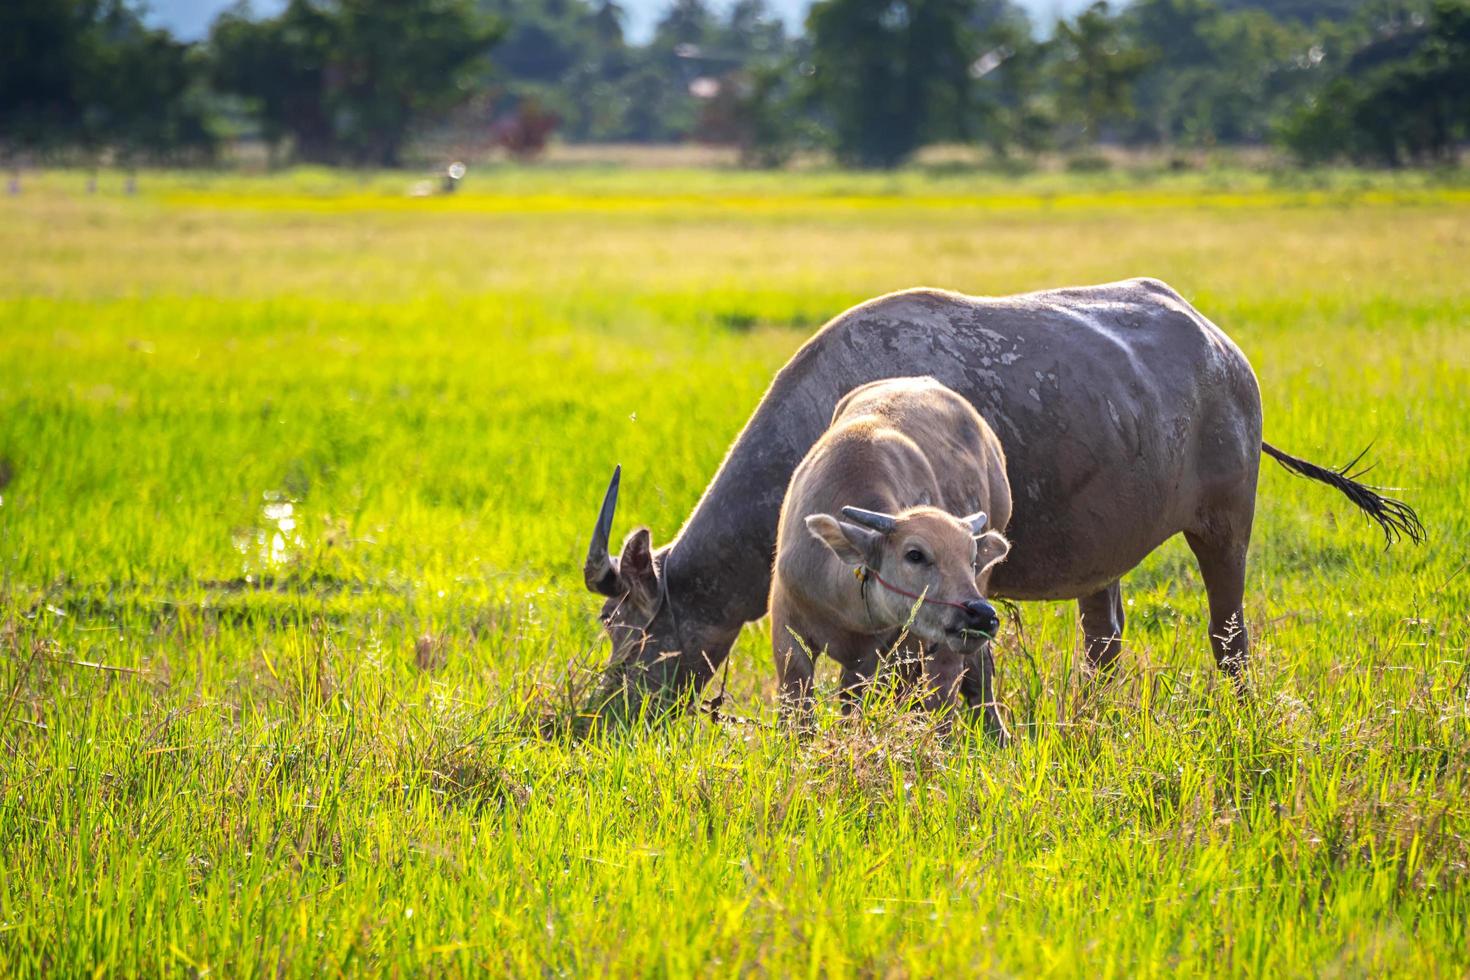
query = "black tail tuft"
x=1395 y=517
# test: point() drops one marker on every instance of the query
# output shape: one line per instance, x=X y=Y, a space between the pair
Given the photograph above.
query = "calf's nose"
x=980 y=615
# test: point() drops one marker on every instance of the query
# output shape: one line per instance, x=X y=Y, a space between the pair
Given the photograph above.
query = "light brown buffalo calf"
x=868 y=541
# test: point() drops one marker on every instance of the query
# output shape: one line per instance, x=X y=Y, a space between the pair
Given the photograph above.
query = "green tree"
x=1403 y=97
x=1214 y=76
x=572 y=57
x=757 y=111
x=749 y=87
x=279 y=66
x=1096 y=68
x=889 y=74
x=149 y=96
x=566 y=55
x=752 y=33
x=1010 y=107
x=1299 y=11
x=89 y=74
x=684 y=48
x=348 y=80
x=44 y=46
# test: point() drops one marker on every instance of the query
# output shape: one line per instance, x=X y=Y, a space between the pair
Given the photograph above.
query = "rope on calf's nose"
x=863 y=573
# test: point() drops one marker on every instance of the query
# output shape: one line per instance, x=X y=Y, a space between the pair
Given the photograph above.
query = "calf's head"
x=926 y=552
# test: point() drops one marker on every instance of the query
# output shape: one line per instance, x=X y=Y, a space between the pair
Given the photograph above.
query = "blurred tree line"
x=355 y=81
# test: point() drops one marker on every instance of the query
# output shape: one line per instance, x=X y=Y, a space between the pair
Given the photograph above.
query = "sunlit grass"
x=244 y=739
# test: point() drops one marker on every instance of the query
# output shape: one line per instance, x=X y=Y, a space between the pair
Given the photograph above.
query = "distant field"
x=295 y=478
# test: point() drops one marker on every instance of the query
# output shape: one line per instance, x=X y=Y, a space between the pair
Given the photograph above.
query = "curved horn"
x=977 y=521
x=870 y=519
x=601 y=572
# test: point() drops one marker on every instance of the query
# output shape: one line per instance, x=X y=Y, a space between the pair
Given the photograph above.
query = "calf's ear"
x=990 y=549
x=854 y=545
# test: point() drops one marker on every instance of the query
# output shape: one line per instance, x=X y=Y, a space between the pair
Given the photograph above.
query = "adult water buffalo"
x=1126 y=417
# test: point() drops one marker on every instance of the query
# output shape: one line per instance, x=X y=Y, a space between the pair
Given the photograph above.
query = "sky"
x=190 y=19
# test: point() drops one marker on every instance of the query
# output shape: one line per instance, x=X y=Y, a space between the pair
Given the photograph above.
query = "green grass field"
x=295 y=478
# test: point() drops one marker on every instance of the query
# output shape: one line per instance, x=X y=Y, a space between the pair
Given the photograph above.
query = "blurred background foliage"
x=1383 y=82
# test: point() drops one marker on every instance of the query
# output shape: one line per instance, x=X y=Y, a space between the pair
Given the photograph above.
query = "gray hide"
x=1126 y=417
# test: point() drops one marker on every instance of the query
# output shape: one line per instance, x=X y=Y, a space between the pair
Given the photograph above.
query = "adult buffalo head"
x=664 y=648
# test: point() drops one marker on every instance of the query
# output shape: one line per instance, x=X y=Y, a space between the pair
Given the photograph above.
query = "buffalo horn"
x=601 y=571
x=870 y=519
x=977 y=521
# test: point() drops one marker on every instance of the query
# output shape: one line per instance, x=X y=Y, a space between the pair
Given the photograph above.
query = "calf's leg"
x=1102 y=627
x=905 y=660
x=943 y=678
x=941 y=683
x=857 y=676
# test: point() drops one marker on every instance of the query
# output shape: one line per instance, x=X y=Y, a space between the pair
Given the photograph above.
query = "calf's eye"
x=915 y=556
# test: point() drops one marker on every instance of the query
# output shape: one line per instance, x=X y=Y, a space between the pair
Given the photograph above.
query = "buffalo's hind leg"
x=1220 y=550
x=1102 y=627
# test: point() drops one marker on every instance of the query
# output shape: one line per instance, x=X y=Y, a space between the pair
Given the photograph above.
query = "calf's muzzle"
x=980 y=616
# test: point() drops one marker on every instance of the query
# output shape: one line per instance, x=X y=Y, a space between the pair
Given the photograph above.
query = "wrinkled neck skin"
x=718 y=569
x=706 y=616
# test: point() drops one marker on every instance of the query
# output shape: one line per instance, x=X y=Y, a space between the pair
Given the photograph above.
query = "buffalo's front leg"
x=795 y=674
x=978 y=689
x=795 y=670
x=1102 y=627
